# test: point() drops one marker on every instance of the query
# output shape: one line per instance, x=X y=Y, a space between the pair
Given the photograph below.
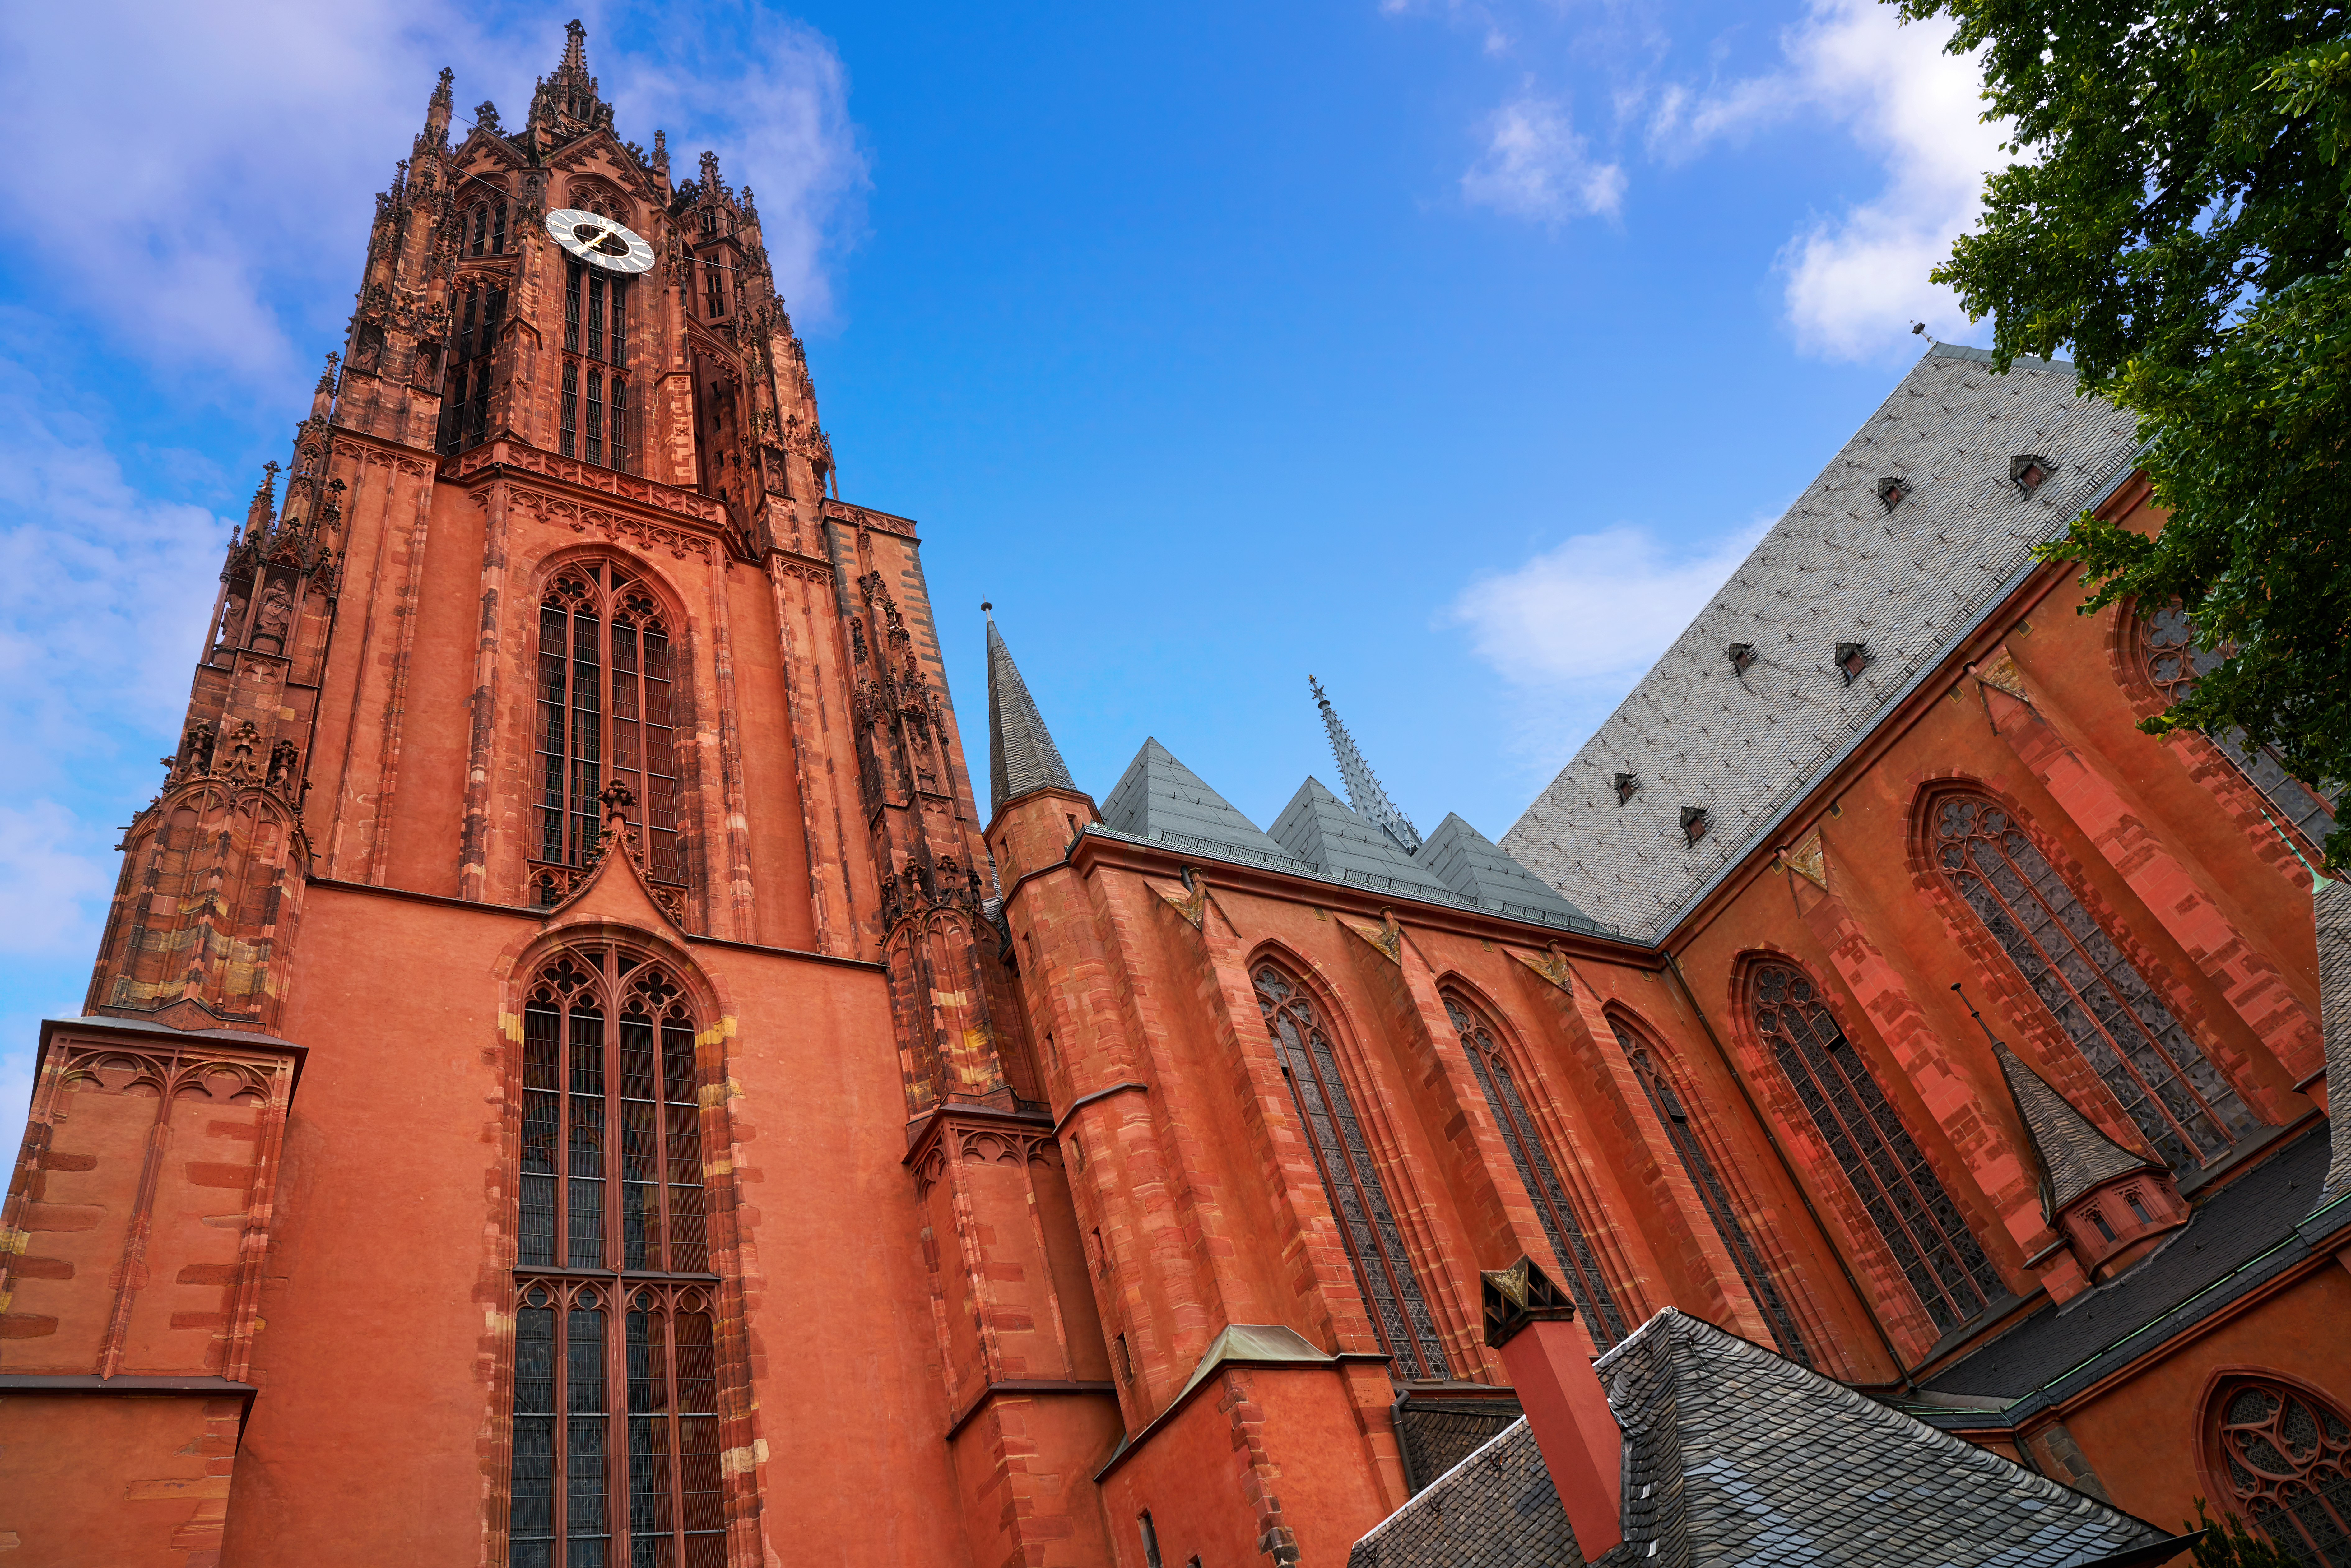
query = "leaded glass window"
x=1919 y=1224
x=1375 y=1244
x=477 y=311
x=592 y=420
x=2130 y=1038
x=608 y=712
x=2288 y=1458
x=615 y=1391
x=1579 y=1265
x=2173 y=660
x=1676 y=1112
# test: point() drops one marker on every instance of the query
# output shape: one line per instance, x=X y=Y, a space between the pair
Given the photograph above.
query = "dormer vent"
x=2027 y=472
x=1852 y=658
x=1891 y=489
x=1742 y=656
x=1626 y=786
x=1694 y=822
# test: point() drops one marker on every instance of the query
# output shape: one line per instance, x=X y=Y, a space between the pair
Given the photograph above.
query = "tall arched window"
x=593 y=415
x=477 y=308
x=2287 y=1456
x=2171 y=659
x=2102 y=1002
x=616 y=1445
x=1916 y=1217
x=601 y=633
x=1375 y=1244
x=1674 y=1110
x=1579 y=1264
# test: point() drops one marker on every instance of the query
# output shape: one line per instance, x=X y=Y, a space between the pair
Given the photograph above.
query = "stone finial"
x=575 y=48
x=264 y=501
x=443 y=94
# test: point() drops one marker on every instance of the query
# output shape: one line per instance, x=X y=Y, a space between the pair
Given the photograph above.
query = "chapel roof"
x=1159 y=800
x=2074 y=1154
x=1733 y=1454
x=1839 y=568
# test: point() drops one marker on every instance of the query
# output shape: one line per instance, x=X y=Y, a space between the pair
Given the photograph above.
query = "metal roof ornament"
x=1364 y=792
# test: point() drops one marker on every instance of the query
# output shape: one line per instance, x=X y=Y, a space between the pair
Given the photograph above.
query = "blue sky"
x=1451 y=352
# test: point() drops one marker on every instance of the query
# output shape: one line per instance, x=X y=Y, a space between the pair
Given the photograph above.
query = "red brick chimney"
x=1531 y=1321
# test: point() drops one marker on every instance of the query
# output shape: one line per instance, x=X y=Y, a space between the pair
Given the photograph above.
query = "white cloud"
x=1596 y=609
x=1854 y=281
x=204 y=172
x=1537 y=166
x=52 y=861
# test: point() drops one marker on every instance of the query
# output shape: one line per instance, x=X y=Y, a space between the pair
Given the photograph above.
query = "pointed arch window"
x=2166 y=1086
x=1570 y=1242
x=616 y=1440
x=593 y=421
x=2173 y=660
x=477 y=311
x=1678 y=1112
x=608 y=712
x=1375 y=1244
x=2287 y=1456
x=1915 y=1217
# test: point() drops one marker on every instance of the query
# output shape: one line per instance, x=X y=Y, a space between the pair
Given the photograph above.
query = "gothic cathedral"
x=574 y=1078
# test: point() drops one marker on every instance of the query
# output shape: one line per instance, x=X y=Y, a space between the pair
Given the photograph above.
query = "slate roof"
x=1318 y=826
x=1837 y=567
x=2074 y=1154
x=1737 y=1454
x=1021 y=755
x=2331 y=910
x=1477 y=869
x=2239 y=1238
x=1160 y=800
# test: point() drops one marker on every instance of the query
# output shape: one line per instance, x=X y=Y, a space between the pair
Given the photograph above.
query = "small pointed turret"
x=435 y=135
x=1364 y=792
x=2073 y=1154
x=265 y=502
x=322 y=396
x=575 y=51
x=1022 y=755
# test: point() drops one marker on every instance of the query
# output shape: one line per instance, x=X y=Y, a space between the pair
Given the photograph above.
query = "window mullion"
x=616 y=1420
x=675 y=1428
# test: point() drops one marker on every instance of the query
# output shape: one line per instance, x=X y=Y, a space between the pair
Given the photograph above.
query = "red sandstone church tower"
x=573 y=1078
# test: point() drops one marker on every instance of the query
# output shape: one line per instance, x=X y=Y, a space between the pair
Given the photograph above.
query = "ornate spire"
x=575 y=51
x=265 y=502
x=1021 y=755
x=1364 y=792
x=2074 y=1154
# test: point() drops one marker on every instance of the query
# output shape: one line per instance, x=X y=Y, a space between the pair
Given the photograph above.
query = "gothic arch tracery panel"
x=1375 y=1246
x=1579 y=1261
x=2284 y=1454
x=1697 y=1144
x=613 y=696
x=1913 y=1214
x=2118 y=1021
x=2165 y=653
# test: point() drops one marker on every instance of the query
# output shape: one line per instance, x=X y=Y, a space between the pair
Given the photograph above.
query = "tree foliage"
x=2176 y=223
x=2227 y=1544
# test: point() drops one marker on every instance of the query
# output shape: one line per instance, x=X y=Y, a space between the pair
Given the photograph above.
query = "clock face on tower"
x=599 y=241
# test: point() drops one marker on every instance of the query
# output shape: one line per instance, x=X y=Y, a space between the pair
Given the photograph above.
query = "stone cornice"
x=509 y=458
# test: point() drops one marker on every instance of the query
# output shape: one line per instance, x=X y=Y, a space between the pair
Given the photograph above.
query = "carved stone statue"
x=276 y=613
x=232 y=617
